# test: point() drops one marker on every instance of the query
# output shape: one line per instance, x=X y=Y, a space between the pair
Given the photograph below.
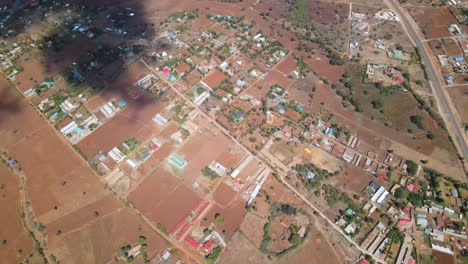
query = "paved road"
x=456 y=131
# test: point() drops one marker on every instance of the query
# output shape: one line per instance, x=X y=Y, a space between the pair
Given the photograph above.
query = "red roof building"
x=192 y=242
x=363 y=261
x=207 y=246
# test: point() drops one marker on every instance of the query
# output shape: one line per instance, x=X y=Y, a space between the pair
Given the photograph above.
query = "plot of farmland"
x=433 y=21
x=163 y=199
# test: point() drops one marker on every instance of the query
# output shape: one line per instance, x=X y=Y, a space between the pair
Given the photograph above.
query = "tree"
x=415 y=198
x=295 y=239
x=417 y=120
x=401 y=193
x=395 y=235
x=430 y=136
x=218 y=218
x=412 y=167
x=213 y=256
x=207 y=172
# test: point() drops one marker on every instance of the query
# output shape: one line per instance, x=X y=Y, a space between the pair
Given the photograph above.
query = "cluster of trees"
x=417 y=120
x=404 y=194
x=207 y=172
x=335 y=59
x=304 y=169
x=213 y=256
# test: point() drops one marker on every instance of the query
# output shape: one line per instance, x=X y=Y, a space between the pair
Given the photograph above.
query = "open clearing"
x=15 y=235
x=459 y=96
x=92 y=219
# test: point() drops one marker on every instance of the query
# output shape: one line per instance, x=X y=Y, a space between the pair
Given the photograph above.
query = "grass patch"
x=300 y=14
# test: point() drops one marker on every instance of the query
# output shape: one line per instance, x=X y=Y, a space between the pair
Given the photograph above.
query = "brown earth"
x=433 y=20
x=164 y=199
x=459 y=96
x=224 y=194
x=92 y=220
x=14 y=237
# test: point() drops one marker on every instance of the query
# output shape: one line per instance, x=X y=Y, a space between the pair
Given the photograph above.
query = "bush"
x=417 y=120
x=401 y=193
x=412 y=167
x=415 y=199
x=207 y=172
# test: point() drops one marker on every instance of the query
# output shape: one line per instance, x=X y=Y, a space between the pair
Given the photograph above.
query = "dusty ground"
x=91 y=218
x=433 y=20
x=460 y=99
x=15 y=235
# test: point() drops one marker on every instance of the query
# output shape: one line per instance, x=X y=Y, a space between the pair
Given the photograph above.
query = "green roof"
x=177 y=160
x=397 y=53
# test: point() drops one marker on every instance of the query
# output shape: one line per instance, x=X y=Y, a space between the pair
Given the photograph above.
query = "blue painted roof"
x=172 y=78
x=122 y=103
x=459 y=58
x=239 y=115
x=240 y=82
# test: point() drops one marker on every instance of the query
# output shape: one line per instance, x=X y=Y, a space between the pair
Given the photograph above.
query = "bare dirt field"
x=224 y=194
x=34 y=73
x=323 y=159
x=459 y=97
x=433 y=20
x=164 y=199
x=208 y=144
x=443 y=258
x=92 y=219
x=452 y=48
x=122 y=126
x=320 y=64
x=354 y=180
x=241 y=250
x=56 y=175
x=232 y=216
x=436 y=47
x=102 y=239
x=315 y=250
x=15 y=235
x=252 y=227
x=287 y=65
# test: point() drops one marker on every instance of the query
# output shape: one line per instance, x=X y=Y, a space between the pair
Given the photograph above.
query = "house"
x=351 y=228
x=378 y=44
x=454 y=192
x=207 y=246
x=192 y=242
x=238 y=116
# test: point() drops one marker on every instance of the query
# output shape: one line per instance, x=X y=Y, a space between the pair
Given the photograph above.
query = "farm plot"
x=133 y=121
x=164 y=199
x=433 y=21
x=65 y=194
